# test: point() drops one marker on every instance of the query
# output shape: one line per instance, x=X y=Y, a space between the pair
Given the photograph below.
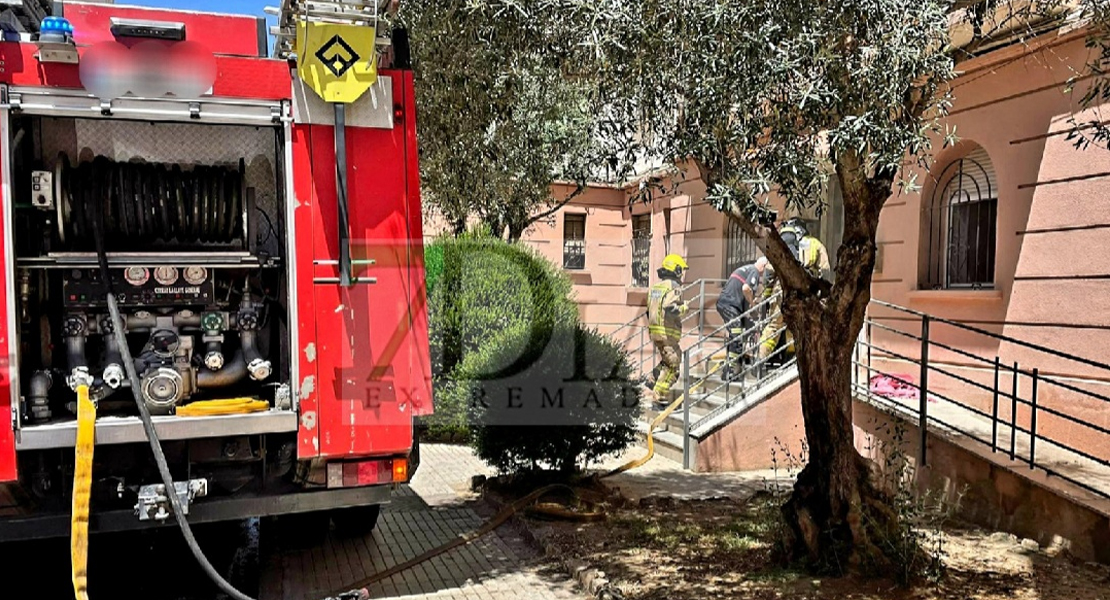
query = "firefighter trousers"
x=737 y=339
x=670 y=356
x=774 y=333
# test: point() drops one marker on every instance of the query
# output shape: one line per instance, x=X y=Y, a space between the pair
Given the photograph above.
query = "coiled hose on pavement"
x=358 y=590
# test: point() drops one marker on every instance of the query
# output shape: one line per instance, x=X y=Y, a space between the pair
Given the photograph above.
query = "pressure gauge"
x=136 y=275
x=195 y=275
x=165 y=275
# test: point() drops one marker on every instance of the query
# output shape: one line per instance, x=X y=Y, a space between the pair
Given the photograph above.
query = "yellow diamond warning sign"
x=337 y=61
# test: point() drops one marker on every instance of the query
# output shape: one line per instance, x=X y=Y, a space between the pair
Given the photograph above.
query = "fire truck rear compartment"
x=193 y=222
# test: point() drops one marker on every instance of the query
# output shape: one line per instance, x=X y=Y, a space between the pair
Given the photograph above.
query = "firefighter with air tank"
x=738 y=297
x=814 y=257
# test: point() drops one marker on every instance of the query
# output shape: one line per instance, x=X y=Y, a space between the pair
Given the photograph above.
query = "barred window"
x=740 y=249
x=641 y=250
x=574 y=242
x=962 y=220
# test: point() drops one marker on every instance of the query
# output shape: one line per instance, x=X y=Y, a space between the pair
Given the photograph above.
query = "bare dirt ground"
x=665 y=549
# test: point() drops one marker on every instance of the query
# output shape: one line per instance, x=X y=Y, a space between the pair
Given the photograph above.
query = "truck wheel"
x=356 y=521
x=301 y=530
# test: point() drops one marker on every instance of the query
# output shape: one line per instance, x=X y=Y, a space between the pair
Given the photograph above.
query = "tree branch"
x=794 y=277
x=554 y=209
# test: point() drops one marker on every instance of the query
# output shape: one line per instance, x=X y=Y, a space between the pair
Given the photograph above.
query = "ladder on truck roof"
x=348 y=12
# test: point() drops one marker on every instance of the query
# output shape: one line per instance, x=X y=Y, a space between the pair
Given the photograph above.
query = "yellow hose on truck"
x=228 y=406
x=82 y=488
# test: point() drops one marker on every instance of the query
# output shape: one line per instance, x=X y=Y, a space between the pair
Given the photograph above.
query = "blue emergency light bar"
x=55 y=29
x=56 y=24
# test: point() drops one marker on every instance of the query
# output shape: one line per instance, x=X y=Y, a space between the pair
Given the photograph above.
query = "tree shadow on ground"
x=726 y=548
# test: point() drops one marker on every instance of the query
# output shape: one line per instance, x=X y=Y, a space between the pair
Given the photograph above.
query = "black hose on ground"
x=148 y=425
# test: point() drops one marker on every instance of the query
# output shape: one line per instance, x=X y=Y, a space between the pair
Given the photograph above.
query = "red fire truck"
x=261 y=242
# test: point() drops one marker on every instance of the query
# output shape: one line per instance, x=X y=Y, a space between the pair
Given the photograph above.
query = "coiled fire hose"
x=358 y=590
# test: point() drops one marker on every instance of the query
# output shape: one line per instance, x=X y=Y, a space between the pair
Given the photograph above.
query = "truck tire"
x=356 y=521
x=414 y=457
x=301 y=530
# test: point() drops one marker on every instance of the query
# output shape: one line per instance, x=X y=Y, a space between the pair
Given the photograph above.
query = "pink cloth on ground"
x=896 y=385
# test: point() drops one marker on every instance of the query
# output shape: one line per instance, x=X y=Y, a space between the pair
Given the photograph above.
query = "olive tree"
x=768 y=98
x=499 y=123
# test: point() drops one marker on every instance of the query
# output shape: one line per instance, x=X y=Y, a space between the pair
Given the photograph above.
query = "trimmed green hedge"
x=569 y=403
x=433 y=266
x=478 y=287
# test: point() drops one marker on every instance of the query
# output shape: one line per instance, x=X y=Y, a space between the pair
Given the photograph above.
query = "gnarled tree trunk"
x=838 y=513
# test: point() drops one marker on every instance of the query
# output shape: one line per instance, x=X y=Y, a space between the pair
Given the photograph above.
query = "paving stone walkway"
x=429 y=512
x=664 y=477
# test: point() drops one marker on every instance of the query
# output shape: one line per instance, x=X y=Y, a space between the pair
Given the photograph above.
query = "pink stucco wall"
x=604 y=289
x=1052 y=283
x=1051 y=280
x=770 y=435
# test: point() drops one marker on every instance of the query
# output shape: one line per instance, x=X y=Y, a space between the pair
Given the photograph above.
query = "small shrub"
x=433 y=266
x=557 y=402
x=480 y=286
x=919 y=543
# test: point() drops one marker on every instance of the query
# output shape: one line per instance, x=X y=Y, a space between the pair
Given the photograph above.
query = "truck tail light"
x=400 y=470
x=376 y=471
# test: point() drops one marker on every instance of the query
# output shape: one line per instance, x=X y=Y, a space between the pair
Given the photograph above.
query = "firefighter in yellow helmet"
x=814 y=257
x=665 y=312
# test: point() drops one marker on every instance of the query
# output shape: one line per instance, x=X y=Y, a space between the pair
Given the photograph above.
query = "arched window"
x=962 y=215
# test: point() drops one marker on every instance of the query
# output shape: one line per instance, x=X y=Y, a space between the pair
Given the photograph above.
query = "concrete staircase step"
x=667 y=444
x=673 y=422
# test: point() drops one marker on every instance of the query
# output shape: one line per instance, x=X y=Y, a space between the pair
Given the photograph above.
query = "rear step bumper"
x=129 y=430
x=208 y=510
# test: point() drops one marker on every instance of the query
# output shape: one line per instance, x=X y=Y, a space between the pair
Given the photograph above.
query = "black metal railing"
x=641 y=262
x=574 y=254
x=1010 y=416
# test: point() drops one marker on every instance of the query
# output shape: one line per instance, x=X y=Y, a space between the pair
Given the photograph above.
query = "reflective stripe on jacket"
x=664 y=310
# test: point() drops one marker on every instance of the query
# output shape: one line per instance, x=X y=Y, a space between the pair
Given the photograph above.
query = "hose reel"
x=149 y=203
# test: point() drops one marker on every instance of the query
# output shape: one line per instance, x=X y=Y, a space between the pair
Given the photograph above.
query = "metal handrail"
x=760 y=316
x=633 y=323
x=997 y=336
x=754 y=376
x=1025 y=425
x=638 y=328
x=756 y=367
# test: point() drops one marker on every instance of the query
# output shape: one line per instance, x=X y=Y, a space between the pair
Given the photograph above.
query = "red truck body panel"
x=363 y=357
x=8 y=471
x=236 y=76
x=370 y=360
x=236 y=35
